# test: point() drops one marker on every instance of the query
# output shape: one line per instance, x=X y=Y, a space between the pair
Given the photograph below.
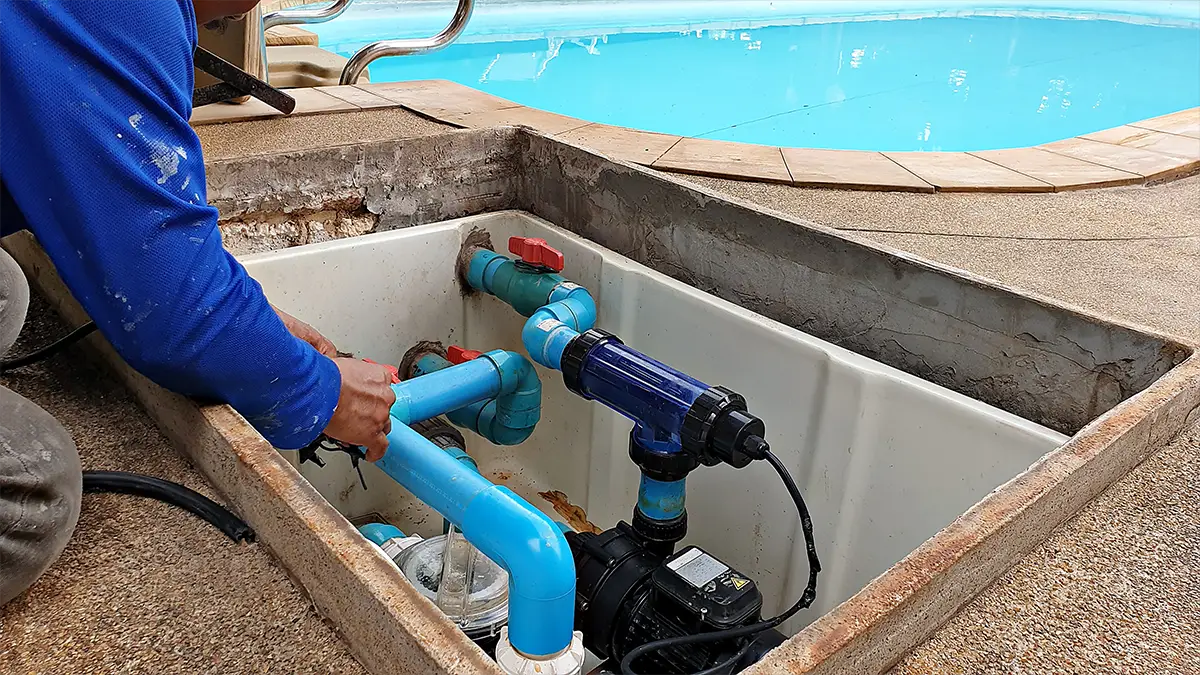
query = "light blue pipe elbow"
x=506 y=528
x=510 y=417
x=377 y=533
x=548 y=332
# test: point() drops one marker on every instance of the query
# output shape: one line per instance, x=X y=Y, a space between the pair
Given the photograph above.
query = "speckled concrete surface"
x=1116 y=590
x=144 y=587
x=222 y=141
x=1127 y=253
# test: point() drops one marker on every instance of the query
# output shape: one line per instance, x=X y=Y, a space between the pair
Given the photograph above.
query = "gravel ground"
x=144 y=587
x=1115 y=590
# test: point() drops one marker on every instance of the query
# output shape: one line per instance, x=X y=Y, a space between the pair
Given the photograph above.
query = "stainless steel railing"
x=358 y=63
x=288 y=17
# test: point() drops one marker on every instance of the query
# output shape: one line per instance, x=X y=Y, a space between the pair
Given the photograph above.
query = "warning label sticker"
x=697 y=567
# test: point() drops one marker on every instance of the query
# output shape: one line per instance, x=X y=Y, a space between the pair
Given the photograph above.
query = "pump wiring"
x=50 y=349
x=122 y=482
x=758 y=449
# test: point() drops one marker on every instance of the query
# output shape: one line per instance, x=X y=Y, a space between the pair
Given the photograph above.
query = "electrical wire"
x=720 y=668
x=123 y=482
x=805 y=599
x=50 y=349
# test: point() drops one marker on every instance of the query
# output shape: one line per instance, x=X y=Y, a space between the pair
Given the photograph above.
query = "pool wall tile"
x=853 y=169
x=1061 y=171
x=725 y=159
x=962 y=172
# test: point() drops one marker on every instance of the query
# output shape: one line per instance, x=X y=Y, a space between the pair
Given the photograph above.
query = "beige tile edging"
x=1156 y=149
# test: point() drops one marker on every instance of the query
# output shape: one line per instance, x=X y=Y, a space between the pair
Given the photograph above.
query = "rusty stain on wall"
x=575 y=515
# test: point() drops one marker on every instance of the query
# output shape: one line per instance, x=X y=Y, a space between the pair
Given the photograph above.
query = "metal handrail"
x=297 y=16
x=358 y=63
x=294 y=16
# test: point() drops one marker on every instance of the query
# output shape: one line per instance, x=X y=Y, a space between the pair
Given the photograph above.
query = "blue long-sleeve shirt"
x=98 y=161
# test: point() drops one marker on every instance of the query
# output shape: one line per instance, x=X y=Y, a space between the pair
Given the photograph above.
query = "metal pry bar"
x=235 y=82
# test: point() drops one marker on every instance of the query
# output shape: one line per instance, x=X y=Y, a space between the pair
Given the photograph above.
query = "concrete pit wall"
x=1122 y=392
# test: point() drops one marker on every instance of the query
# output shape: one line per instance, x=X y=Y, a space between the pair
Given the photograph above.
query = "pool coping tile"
x=315 y=101
x=1182 y=123
x=623 y=143
x=1181 y=147
x=1159 y=148
x=963 y=172
x=356 y=95
x=854 y=169
x=1061 y=171
x=535 y=118
x=220 y=113
x=1145 y=163
x=438 y=98
x=725 y=159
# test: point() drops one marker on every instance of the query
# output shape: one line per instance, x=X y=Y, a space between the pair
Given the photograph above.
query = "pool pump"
x=544 y=593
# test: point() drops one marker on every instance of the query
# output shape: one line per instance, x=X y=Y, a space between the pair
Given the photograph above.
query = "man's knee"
x=40 y=488
x=14 y=301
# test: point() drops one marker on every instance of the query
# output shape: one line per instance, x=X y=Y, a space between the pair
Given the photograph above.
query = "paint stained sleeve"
x=99 y=162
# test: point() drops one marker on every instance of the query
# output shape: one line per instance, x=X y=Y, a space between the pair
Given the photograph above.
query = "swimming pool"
x=965 y=77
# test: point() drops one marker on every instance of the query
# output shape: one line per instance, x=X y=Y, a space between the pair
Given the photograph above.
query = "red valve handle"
x=457 y=355
x=391 y=369
x=536 y=252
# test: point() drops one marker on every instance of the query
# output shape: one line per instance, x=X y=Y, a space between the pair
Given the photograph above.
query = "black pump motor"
x=628 y=595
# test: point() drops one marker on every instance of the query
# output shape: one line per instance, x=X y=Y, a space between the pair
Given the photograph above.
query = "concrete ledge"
x=1156 y=149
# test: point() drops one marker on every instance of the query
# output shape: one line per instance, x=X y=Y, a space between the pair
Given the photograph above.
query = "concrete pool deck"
x=1147 y=151
x=1076 y=609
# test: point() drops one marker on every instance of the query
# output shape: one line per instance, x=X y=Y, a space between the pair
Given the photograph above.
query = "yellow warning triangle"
x=739 y=582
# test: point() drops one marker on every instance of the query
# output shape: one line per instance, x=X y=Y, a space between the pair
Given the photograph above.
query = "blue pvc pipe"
x=428 y=396
x=510 y=417
x=506 y=528
x=661 y=500
x=378 y=533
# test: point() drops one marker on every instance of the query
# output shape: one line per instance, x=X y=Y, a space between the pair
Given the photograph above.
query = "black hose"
x=50 y=349
x=806 y=598
x=122 y=482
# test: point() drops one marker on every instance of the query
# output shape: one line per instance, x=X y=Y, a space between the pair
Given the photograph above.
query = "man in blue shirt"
x=98 y=161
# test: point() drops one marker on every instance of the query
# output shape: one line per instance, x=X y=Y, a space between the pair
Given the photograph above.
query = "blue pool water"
x=934 y=83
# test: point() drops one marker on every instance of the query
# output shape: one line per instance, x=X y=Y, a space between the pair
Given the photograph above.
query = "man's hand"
x=307 y=333
x=362 y=416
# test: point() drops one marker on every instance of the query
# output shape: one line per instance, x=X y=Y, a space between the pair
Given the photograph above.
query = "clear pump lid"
x=487 y=603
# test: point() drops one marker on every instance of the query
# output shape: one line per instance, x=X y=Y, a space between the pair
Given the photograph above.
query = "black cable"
x=806 y=598
x=50 y=349
x=730 y=662
x=122 y=482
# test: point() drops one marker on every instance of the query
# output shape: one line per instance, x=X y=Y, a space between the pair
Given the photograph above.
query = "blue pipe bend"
x=506 y=528
x=548 y=332
x=509 y=416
